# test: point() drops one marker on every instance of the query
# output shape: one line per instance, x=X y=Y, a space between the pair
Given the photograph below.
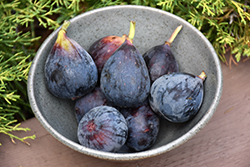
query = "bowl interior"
x=192 y=50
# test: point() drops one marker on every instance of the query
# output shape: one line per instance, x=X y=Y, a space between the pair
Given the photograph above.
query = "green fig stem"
x=173 y=36
x=131 y=34
x=62 y=36
x=203 y=75
x=65 y=25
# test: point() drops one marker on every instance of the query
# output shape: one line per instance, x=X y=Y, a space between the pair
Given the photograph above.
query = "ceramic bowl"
x=191 y=49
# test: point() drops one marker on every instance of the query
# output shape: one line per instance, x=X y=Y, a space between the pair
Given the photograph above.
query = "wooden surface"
x=223 y=142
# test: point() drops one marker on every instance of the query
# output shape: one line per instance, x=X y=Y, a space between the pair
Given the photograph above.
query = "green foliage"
x=224 y=22
x=18 y=42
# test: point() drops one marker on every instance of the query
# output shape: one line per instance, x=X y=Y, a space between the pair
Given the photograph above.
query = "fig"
x=103 y=128
x=143 y=126
x=102 y=49
x=124 y=79
x=178 y=96
x=160 y=59
x=70 y=71
x=93 y=99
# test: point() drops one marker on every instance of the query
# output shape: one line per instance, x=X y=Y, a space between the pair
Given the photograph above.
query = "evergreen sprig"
x=17 y=42
x=10 y=74
x=224 y=22
x=7 y=126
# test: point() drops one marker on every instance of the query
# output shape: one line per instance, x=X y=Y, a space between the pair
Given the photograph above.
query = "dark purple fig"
x=160 y=59
x=177 y=96
x=70 y=72
x=124 y=79
x=143 y=127
x=102 y=49
x=103 y=128
x=93 y=99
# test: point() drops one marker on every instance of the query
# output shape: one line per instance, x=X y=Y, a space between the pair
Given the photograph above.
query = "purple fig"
x=86 y=103
x=124 y=79
x=178 y=96
x=102 y=49
x=70 y=72
x=103 y=128
x=143 y=126
x=160 y=59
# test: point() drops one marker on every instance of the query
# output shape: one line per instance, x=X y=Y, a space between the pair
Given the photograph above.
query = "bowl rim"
x=125 y=156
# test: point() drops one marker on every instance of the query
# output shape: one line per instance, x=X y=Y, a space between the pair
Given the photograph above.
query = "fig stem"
x=131 y=34
x=173 y=36
x=62 y=36
x=65 y=25
x=203 y=75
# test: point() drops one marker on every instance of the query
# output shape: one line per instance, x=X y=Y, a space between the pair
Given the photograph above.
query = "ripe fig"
x=102 y=49
x=160 y=59
x=177 y=96
x=124 y=79
x=93 y=99
x=70 y=72
x=143 y=126
x=103 y=128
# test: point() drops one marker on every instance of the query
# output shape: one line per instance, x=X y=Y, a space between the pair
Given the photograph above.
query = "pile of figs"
x=120 y=94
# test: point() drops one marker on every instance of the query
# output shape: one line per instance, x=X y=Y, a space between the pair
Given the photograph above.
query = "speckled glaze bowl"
x=192 y=50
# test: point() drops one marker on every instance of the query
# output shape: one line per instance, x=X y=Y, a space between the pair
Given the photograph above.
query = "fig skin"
x=160 y=59
x=102 y=49
x=143 y=126
x=177 y=97
x=70 y=72
x=103 y=128
x=124 y=79
x=93 y=99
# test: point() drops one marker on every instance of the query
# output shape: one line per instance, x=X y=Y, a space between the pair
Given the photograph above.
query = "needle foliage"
x=19 y=20
x=224 y=22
